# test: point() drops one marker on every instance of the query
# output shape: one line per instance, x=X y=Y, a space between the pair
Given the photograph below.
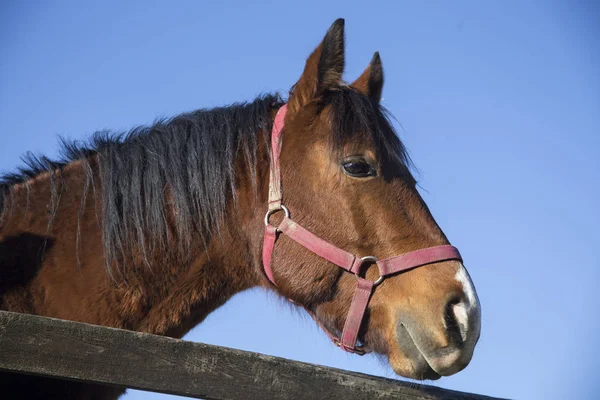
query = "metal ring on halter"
x=374 y=260
x=271 y=212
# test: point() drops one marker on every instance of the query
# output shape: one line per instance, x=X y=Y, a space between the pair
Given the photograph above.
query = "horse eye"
x=358 y=168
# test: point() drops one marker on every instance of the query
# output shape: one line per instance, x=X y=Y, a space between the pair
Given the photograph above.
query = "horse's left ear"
x=324 y=68
x=371 y=81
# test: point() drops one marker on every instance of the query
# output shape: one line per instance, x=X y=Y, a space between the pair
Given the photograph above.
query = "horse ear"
x=371 y=81
x=324 y=68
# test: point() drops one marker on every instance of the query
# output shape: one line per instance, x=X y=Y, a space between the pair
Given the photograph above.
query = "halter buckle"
x=358 y=350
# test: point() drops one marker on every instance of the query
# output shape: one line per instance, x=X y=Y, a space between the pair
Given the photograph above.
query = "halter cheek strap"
x=347 y=261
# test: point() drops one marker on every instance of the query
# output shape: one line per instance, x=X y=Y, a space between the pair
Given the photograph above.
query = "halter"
x=343 y=259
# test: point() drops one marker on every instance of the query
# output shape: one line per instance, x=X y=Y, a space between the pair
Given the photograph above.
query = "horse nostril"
x=456 y=320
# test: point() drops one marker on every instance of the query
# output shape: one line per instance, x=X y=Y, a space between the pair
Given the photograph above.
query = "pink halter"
x=347 y=261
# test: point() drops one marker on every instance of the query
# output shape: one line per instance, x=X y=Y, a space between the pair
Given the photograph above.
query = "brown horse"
x=154 y=229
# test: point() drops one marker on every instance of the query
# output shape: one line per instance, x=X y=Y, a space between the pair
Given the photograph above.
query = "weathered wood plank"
x=82 y=352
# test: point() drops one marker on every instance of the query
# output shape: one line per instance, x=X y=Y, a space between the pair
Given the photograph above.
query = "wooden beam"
x=82 y=352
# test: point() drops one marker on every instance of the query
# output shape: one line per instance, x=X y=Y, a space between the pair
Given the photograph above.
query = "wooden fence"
x=82 y=352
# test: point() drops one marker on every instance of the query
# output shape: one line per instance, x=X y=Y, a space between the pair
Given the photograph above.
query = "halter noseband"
x=343 y=259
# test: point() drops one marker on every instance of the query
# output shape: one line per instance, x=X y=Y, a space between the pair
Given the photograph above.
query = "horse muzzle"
x=442 y=343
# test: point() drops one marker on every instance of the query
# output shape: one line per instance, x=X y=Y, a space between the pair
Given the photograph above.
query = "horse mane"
x=194 y=155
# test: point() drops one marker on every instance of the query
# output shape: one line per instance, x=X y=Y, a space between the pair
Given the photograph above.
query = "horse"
x=152 y=229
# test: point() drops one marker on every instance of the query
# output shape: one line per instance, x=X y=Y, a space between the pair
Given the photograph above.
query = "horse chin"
x=407 y=361
x=417 y=369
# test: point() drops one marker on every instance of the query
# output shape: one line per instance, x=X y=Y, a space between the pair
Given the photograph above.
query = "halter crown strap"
x=275 y=190
x=343 y=259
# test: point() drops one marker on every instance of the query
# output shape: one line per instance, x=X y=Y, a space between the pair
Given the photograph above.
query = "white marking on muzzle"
x=462 y=319
x=463 y=277
x=468 y=314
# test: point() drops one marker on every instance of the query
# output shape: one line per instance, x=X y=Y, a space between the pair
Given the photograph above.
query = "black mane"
x=193 y=155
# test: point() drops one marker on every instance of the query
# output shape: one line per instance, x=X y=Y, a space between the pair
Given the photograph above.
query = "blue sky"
x=498 y=103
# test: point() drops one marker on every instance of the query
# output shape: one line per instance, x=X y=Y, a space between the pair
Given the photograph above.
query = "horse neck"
x=230 y=263
x=168 y=295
